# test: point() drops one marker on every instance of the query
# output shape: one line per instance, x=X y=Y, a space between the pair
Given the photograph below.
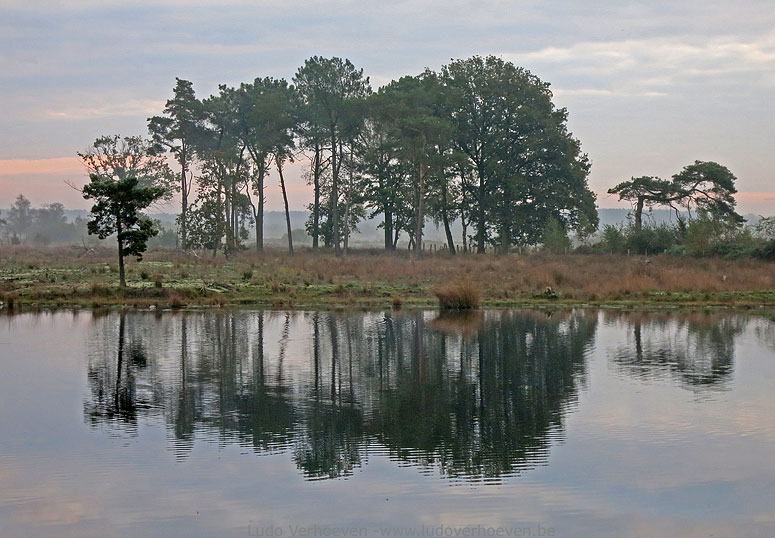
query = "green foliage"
x=709 y=187
x=555 y=239
x=614 y=239
x=517 y=186
x=652 y=239
x=711 y=234
x=703 y=186
x=117 y=210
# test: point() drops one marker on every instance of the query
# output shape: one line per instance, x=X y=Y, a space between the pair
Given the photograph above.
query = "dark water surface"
x=496 y=423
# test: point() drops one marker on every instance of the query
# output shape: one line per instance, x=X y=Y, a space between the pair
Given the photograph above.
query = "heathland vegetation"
x=478 y=143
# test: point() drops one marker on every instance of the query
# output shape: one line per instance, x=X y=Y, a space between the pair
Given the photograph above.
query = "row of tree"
x=42 y=225
x=480 y=141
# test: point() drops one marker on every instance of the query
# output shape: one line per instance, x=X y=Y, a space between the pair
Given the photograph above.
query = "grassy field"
x=61 y=276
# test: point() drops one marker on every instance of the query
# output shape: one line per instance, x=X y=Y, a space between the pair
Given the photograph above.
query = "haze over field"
x=649 y=88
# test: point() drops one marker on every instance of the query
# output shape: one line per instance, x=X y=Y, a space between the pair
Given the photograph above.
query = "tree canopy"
x=117 y=210
x=480 y=141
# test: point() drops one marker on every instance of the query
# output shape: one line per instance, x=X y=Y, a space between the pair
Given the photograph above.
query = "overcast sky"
x=650 y=86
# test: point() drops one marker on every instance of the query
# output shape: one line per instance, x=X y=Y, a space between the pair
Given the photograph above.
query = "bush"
x=613 y=239
x=652 y=239
x=459 y=295
x=176 y=301
x=555 y=238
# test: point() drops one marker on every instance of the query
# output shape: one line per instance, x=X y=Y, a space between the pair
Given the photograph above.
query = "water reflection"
x=695 y=349
x=477 y=396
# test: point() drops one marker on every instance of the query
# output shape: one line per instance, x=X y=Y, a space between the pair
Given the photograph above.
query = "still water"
x=494 y=423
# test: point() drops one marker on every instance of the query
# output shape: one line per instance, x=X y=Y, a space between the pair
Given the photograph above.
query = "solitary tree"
x=645 y=191
x=117 y=210
x=704 y=185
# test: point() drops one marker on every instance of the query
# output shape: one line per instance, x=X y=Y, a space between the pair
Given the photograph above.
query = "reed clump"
x=461 y=294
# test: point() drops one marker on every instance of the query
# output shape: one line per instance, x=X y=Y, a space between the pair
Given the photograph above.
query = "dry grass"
x=63 y=275
x=461 y=294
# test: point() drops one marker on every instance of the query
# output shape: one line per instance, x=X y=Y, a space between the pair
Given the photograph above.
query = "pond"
x=411 y=423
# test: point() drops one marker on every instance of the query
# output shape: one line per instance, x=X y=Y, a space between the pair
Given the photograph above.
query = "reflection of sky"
x=650 y=86
x=637 y=457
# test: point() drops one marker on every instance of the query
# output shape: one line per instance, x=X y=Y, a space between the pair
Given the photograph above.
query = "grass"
x=60 y=276
x=461 y=294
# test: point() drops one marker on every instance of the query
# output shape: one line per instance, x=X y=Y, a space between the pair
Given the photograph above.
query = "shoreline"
x=58 y=277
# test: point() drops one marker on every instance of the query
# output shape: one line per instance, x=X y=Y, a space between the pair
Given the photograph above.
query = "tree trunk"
x=121 y=273
x=285 y=201
x=260 y=213
x=639 y=214
x=348 y=202
x=480 y=225
x=420 y=213
x=316 y=205
x=445 y=219
x=505 y=239
x=183 y=199
x=388 y=225
x=334 y=195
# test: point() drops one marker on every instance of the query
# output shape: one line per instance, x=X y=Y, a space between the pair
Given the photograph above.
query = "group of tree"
x=24 y=224
x=480 y=141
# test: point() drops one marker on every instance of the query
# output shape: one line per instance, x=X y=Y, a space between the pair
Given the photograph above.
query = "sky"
x=650 y=86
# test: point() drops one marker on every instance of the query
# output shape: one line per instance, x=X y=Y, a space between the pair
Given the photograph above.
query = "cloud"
x=652 y=67
x=130 y=107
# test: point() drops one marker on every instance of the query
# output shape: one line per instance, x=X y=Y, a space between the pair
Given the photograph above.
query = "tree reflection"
x=696 y=349
x=477 y=396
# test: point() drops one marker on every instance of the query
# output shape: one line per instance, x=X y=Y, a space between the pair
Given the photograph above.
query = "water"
x=495 y=423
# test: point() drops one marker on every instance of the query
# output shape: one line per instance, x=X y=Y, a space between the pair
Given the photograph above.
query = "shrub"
x=458 y=295
x=176 y=301
x=652 y=239
x=555 y=238
x=614 y=239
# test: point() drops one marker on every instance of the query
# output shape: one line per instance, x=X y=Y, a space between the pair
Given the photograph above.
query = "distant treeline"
x=661 y=232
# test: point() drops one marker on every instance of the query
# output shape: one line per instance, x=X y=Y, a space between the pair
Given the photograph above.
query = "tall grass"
x=44 y=272
x=461 y=294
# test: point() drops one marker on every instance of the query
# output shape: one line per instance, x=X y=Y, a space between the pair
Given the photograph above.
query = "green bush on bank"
x=700 y=236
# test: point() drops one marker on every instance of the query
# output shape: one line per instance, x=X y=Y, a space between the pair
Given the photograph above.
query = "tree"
x=117 y=210
x=708 y=186
x=226 y=168
x=20 y=218
x=387 y=189
x=646 y=191
x=50 y=223
x=115 y=157
x=178 y=131
x=328 y=87
x=410 y=109
x=265 y=117
x=526 y=166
